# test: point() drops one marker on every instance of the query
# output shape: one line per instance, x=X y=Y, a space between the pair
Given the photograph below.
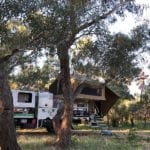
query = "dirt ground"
x=144 y=135
x=120 y=133
x=141 y=133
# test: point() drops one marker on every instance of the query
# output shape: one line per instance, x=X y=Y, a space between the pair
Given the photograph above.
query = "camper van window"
x=24 y=97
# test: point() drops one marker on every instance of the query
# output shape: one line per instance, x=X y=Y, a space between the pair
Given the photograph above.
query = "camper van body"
x=31 y=109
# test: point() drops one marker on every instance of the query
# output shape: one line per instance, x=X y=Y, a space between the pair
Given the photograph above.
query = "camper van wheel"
x=49 y=125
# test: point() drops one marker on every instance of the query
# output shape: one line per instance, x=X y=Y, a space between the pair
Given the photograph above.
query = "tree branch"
x=104 y=16
x=7 y=57
x=36 y=37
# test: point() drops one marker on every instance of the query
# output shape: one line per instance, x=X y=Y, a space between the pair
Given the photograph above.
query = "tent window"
x=92 y=91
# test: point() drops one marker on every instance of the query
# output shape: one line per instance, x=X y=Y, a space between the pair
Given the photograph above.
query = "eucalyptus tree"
x=56 y=26
x=141 y=109
x=7 y=128
x=34 y=78
x=142 y=33
x=8 y=60
x=14 y=37
x=15 y=43
x=146 y=105
x=60 y=24
x=114 y=60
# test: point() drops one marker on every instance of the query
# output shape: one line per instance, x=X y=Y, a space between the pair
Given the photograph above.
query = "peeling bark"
x=57 y=119
x=8 y=140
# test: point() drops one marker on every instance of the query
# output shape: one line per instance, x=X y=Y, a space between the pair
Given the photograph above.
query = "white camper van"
x=34 y=109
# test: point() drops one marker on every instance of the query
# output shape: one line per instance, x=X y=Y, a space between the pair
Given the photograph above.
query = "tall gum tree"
x=13 y=38
x=57 y=25
x=8 y=59
x=8 y=139
x=60 y=24
x=115 y=61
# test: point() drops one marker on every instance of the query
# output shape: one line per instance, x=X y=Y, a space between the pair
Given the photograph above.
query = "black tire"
x=49 y=126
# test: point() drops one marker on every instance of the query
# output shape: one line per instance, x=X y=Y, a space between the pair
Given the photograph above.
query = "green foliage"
x=146 y=95
x=135 y=106
x=75 y=139
x=141 y=36
x=95 y=143
x=121 y=89
x=34 y=143
x=132 y=135
x=141 y=109
x=84 y=127
x=47 y=24
x=33 y=78
x=15 y=33
x=121 y=112
x=119 y=61
x=54 y=25
x=113 y=60
x=148 y=139
x=139 y=125
x=89 y=142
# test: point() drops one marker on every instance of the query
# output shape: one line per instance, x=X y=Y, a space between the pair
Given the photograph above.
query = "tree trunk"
x=8 y=139
x=145 y=117
x=57 y=119
x=64 y=134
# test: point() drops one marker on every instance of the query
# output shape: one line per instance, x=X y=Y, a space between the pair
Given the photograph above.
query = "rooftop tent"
x=93 y=91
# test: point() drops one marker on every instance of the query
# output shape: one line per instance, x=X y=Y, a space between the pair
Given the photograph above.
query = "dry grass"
x=36 y=142
x=84 y=142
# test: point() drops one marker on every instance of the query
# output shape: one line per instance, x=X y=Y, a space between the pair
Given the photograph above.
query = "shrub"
x=132 y=135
